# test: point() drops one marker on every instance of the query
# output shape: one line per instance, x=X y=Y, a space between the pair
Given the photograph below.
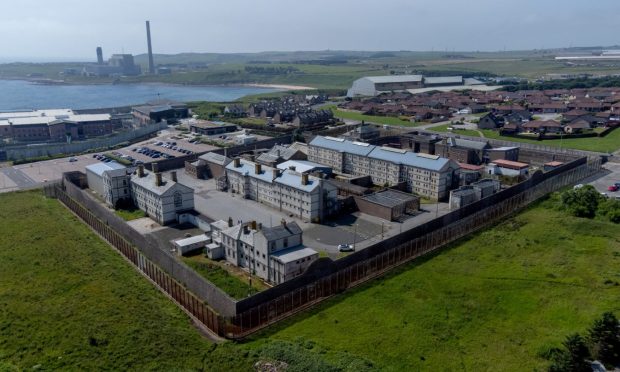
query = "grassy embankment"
x=495 y=301
x=609 y=143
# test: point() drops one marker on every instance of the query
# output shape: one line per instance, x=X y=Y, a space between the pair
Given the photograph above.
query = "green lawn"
x=370 y=118
x=492 y=302
x=495 y=301
x=456 y=130
x=234 y=286
x=130 y=214
x=609 y=143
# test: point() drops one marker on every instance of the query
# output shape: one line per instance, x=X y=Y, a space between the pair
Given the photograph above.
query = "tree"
x=610 y=209
x=573 y=357
x=604 y=339
x=581 y=202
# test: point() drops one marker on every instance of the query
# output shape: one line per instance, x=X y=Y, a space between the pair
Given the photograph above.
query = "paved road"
x=19 y=178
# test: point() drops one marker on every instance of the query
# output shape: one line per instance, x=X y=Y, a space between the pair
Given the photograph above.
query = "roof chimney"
x=230 y=222
x=304 y=179
x=253 y=224
x=276 y=173
x=260 y=226
x=257 y=169
x=99 y=56
x=283 y=222
x=140 y=170
x=236 y=162
x=158 y=181
x=155 y=167
x=173 y=176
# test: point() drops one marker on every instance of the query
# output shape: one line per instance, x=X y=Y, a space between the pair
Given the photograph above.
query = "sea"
x=20 y=94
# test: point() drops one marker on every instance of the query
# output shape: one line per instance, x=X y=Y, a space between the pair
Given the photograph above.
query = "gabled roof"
x=100 y=168
x=148 y=182
x=409 y=158
x=215 y=158
x=281 y=231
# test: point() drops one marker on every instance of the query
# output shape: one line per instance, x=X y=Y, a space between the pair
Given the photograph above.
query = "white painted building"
x=110 y=181
x=275 y=254
x=160 y=198
x=304 y=196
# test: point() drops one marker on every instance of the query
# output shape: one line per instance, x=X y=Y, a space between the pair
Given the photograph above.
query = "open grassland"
x=607 y=144
x=494 y=302
x=68 y=301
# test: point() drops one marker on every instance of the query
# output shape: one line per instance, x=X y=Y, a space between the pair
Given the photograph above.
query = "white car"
x=577 y=186
x=345 y=248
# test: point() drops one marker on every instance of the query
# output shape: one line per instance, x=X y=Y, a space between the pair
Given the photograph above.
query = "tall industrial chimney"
x=99 y=56
x=148 y=40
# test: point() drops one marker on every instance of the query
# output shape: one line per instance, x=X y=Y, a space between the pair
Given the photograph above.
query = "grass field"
x=609 y=143
x=370 y=118
x=68 y=301
x=456 y=130
x=495 y=301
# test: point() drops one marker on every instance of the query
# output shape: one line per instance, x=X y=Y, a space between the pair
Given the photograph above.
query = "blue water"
x=17 y=94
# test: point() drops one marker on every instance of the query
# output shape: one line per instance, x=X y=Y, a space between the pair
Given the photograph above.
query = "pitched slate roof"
x=281 y=231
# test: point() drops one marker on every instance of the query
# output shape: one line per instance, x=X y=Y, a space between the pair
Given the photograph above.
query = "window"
x=285 y=242
x=178 y=200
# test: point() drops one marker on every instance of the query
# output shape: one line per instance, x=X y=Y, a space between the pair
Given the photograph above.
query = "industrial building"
x=275 y=254
x=430 y=176
x=160 y=198
x=160 y=110
x=211 y=128
x=58 y=125
x=375 y=85
x=306 y=197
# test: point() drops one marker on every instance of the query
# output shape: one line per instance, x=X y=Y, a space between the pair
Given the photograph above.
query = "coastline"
x=44 y=81
x=280 y=86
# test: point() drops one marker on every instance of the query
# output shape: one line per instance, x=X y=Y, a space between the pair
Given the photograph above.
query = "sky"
x=63 y=30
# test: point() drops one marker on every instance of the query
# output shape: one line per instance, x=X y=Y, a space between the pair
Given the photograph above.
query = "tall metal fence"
x=178 y=292
x=325 y=278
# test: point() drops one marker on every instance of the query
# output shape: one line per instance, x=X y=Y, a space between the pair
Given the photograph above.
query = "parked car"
x=613 y=188
x=604 y=194
x=75 y=159
x=577 y=186
x=345 y=248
